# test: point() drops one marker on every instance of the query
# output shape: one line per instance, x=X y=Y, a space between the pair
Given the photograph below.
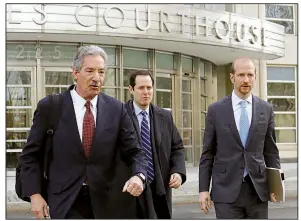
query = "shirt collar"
x=236 y=99
x=138 y=109
x=80 y=101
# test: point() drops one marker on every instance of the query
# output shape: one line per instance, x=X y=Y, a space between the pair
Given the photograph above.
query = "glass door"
x=187 y=129
x=55 y=80
x=164 y=90
x=20 y=105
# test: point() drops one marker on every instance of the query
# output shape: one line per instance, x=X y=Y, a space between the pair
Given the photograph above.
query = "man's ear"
x=232 y=78
x=130 y=89
x=74 y=74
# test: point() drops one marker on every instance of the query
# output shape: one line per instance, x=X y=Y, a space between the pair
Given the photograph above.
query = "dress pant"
x=155 y=207
x=160 y=204
x=82 y=207
x=247 y=205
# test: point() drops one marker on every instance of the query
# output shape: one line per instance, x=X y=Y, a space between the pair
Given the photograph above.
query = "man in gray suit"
x=239 y=143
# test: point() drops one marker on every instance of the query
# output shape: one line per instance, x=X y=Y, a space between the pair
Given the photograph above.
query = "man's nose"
x=96 y=76
x=246 y=79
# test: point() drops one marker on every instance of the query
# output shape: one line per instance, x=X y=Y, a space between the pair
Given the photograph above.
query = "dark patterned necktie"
x=88 y=129
x=146 y=145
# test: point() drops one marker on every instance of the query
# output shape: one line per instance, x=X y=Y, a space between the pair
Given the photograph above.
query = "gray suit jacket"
x=224 y=157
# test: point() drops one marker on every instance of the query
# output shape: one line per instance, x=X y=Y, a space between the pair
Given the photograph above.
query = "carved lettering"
x=39 y=50
x=162 y=22
x=240 y=31
x=217 y=30
x=77 y=15
x=20 y=55
x=202 y=25
x=56 y=49
x=254 y=34
x=106 y=17
x=148 y=20
x=264 y=37
x=182 y=21
x=39 y=10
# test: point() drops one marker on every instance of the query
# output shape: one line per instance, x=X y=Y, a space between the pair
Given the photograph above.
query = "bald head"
x=241 y=62
x=243 y=76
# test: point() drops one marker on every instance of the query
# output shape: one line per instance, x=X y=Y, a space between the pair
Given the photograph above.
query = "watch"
x=141 y=176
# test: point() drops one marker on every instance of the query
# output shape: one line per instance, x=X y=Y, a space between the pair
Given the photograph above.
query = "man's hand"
x=39 y=206
x=175 y=180
x=273 y=198
x=134 y=186
x=205 y=201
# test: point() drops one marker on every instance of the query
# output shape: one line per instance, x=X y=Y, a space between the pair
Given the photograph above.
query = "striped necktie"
x=146 y=145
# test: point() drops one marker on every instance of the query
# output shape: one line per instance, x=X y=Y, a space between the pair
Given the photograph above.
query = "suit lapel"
x=158 y=123
x=255 y=115
x=69 y=119
x=230 y=116
x=131 y=112
x=101 y=119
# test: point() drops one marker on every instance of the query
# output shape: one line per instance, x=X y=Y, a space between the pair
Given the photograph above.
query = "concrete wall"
x=291 y=52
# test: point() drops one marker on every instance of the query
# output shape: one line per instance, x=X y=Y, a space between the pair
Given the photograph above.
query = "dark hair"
x=139 y=72
x=233 y=66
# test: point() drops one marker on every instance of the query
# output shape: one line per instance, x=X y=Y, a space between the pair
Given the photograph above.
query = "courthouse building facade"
x=187 y=48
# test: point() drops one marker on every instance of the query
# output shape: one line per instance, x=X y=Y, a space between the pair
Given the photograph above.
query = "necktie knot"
x=143 y=113
x=243 y=103
x=88 y=105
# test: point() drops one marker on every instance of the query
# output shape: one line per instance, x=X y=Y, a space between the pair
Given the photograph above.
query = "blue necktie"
x=244 y=126
x=146 y=145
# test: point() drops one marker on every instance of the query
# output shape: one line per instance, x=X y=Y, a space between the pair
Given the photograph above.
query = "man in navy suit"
x=92 y=129
x=239 y=142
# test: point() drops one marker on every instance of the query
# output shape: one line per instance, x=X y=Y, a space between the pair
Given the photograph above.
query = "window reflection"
x=286 y=136
x=12 y=159
x=282 y=104
x=278 y=11
x=164 y=99
x=18 y=77
x=281 y=89
x=18 y=118
x=18 y=96
x=58 y=78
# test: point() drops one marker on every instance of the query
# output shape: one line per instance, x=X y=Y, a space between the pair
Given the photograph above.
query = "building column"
x=262 y=63
x=263 y=79
x=196 y=114
x=178 y=95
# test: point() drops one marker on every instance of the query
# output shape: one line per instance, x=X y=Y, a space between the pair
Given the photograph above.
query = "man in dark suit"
x=160 y=139
x=239 y=142
x=93 y=127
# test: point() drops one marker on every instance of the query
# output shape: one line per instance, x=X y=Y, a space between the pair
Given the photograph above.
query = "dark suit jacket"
x=224 y=157
x=168 y=155
x=114 y=132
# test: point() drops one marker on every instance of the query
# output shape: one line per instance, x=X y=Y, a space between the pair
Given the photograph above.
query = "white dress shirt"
x=80 y=109
x=237 y=108
x=139 y=115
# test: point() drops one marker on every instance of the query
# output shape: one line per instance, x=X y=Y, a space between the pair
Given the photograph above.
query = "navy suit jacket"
x=69 y=166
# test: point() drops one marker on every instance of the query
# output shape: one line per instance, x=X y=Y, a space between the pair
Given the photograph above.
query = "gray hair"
x=88 y=50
